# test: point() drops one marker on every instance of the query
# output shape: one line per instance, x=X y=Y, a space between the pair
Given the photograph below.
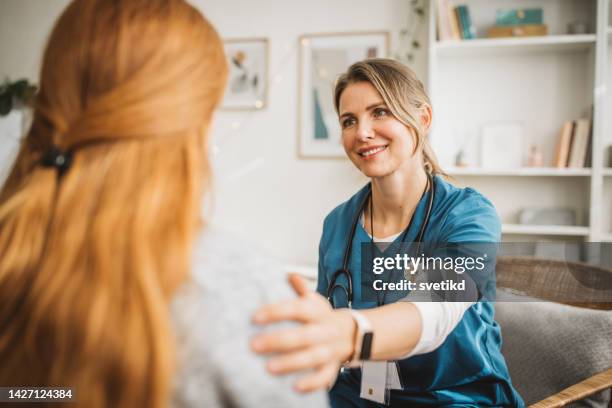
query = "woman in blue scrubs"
x=447 y=353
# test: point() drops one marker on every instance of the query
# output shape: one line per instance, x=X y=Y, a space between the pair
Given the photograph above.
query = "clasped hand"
x=320 y=344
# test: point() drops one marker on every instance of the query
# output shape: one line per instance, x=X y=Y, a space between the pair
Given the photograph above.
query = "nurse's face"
x=375 y=141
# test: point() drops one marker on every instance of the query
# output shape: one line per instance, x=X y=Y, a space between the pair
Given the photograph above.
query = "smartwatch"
x=363 y=338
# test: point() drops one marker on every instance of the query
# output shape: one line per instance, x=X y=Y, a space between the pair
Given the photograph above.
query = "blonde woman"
x=425 y=354
x=107 y=283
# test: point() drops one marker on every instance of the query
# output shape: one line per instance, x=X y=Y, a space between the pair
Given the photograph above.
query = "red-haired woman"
x=100 y=220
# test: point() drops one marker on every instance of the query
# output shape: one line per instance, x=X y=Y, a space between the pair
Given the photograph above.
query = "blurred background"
x=519 y=91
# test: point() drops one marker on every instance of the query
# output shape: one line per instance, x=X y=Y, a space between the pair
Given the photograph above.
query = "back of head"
x=89 y=257
x=402 y=92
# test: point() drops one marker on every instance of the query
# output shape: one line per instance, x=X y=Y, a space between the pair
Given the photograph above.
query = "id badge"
x=393 y=379
x=374 y=381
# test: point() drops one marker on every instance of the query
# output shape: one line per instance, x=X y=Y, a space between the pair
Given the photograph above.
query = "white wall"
x=24 y=27
x=262 y=189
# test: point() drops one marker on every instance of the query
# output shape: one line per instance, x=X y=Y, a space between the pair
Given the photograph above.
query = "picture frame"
x=322 y=58
x=247 y=82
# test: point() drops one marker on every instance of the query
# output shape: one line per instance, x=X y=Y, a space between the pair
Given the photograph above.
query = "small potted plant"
x=17 y=94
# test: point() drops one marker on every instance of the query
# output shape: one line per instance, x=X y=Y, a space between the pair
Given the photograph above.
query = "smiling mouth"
x=372 y=152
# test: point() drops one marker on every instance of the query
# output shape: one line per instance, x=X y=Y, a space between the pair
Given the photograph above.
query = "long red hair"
x=89 y=260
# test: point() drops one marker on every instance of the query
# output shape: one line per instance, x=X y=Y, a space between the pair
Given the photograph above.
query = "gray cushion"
x=550 y=346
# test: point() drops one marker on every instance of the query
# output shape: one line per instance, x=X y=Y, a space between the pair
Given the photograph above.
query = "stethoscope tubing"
x=348 y=291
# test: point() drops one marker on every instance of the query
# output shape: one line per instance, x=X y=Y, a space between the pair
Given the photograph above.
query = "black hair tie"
x=54 y=157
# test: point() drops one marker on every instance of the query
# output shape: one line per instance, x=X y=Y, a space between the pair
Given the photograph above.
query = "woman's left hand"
x=321 y=343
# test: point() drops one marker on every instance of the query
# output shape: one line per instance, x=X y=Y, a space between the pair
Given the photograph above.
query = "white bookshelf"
x=552 y=230
x=539 y=82
x=551 y=43
x=605 y=142
x=606 y=218
x=526 y=172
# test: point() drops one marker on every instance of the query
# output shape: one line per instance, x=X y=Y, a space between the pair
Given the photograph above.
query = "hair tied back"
x=55 y=157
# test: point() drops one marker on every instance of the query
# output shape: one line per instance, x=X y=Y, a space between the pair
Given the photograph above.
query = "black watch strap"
x=363 y=338
x=366 y=346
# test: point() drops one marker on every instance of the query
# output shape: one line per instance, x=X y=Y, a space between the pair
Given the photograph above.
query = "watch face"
x=366 y=346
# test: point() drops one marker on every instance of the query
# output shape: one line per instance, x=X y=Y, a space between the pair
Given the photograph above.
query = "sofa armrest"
x=583 y=389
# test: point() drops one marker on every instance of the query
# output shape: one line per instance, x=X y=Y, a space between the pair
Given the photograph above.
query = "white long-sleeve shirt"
x=438 y=319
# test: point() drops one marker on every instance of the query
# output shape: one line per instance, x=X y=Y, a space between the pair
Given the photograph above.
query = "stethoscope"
x=345 y=271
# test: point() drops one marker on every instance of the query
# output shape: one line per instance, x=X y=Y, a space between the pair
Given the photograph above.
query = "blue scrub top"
x=468 y=369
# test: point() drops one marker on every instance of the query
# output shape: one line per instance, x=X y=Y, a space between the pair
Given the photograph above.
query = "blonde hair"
x=90 y=259
x=403 y=94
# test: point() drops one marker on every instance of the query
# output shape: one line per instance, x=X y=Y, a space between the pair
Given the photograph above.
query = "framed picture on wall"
x=247 y=84
x=322 y=58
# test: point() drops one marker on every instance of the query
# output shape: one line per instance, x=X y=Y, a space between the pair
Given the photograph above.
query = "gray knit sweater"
x=212 y=319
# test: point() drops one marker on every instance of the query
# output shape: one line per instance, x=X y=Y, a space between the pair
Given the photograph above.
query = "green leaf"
x=19 y=88
x=6 y=104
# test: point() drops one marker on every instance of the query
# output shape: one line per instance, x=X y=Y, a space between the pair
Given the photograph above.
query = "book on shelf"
x=563 y=144
x=588 y=162
x=458 y=15
x=468 y=30
x=574 y=144
x=471 y=26
x=519 y=16
x=527 y=22
x=442 y=18
x=580 y=143
x=523 y=30
x=454 y=23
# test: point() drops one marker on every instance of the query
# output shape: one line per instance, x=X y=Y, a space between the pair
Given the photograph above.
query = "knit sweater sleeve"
x=212 y=319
